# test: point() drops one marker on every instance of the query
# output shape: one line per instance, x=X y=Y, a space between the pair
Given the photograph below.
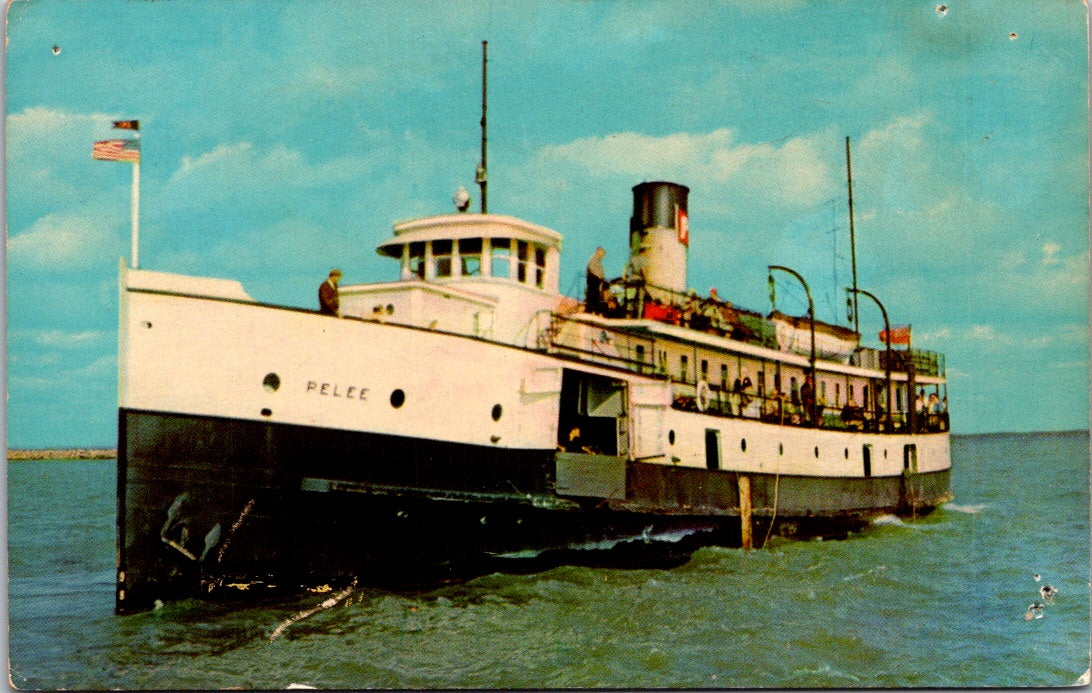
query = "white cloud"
x=795 y=172
x=60 y=338
x=60 y=242
x=228 y=169
x=1050 y=253
x=42 y=126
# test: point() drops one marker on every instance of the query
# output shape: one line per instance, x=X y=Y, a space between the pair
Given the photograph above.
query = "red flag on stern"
x=127 y=124
x=900 y=334
x=117 y=150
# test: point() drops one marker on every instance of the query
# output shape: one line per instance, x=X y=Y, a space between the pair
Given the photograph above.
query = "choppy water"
x=934 y=602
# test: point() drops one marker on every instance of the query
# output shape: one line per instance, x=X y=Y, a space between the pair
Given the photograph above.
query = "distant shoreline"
x=64 y=454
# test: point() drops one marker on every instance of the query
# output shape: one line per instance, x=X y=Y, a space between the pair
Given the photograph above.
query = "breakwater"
x=64 y=454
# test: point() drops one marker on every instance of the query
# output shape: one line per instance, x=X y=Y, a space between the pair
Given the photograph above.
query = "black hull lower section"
x=210 y=506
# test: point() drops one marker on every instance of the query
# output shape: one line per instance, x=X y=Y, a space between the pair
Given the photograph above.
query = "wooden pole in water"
x=747 y=541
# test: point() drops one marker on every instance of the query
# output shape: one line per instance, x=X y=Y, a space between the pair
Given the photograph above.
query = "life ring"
x=702 y=395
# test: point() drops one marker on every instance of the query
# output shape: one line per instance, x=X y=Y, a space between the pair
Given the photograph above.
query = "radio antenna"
x=852 y=240
x=481 y=174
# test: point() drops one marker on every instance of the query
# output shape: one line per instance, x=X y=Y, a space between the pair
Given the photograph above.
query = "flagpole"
x=136 y=213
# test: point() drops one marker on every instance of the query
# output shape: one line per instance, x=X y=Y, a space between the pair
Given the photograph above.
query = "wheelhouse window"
x=501 y=263
x=540 y=266
x=417 y=259
x=724 y=376
x=684 y=367
x=441 y=257
x=470 y=256
x=522 y=256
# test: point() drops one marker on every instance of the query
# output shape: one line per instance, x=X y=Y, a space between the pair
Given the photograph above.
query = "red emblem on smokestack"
x=682 y=224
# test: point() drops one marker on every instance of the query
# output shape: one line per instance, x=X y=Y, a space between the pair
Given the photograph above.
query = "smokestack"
x=660 y=223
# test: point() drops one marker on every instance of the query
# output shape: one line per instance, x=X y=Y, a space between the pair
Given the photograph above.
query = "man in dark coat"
x=597 y=282
x=329 y=303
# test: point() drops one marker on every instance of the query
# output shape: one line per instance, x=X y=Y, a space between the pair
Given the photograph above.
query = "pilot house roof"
x=459 y=226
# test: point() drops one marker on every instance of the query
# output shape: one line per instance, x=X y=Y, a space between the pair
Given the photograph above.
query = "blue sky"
x=281 y=138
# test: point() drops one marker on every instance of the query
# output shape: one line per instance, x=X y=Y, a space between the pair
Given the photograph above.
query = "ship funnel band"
x=656 y=205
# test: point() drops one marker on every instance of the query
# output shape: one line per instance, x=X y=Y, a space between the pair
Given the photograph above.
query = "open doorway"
x=592 y=414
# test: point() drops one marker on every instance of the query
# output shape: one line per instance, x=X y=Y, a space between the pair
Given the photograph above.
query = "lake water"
x=939 y=601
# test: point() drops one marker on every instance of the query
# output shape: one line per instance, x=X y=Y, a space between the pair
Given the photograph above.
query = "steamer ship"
x=464 y=412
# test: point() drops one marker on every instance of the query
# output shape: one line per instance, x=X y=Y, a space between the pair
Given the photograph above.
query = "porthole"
x=497 y=411
x=398 y=398
x=743 y=444
x=671 y=437
x=780 y=448
x=885 y=454
x=271 y=382
x=267 y=412
x=847 y=453
x=817 y=451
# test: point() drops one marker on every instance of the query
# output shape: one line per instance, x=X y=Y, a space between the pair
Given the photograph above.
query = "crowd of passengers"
x=710 y=314
x=796 y=409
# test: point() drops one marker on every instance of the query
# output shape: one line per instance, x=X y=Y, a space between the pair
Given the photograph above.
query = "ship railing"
x=637 y=299
x=600 y=344
x=921 y=361
x=787 y=411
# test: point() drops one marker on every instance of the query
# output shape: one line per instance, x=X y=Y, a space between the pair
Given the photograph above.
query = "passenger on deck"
x=596 y=282
x=742 y=390
x=329 y=302
x=636 y=276
x=576 y=443
x=807 y=398
x=852 y=415
x=713 y=309
x=637 y=269
x=774 y=408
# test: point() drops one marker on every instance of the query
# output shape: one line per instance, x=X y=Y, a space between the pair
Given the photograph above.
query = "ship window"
x=540 y=266
x=724 y=376
x=441 y=255
x=837 y=394
x=521 y=265
x=497 y=411
x=864 y=396
x=417 y=259
x=671 y=436
x=470 y=256
x=502 y=257
x=398 y=398
x=641 y=353
x=704 y=369
x=684 y=367
x=823 y=390
x=762 y=384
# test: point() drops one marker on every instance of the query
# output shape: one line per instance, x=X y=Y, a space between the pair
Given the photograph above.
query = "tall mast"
x=852 y=241
x=481 y=175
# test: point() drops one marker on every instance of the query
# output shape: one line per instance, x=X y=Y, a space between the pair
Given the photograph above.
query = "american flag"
x=117 y=150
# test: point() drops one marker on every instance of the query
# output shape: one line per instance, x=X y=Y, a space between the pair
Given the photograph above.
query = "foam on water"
x=968 y=509
x=672 y=537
